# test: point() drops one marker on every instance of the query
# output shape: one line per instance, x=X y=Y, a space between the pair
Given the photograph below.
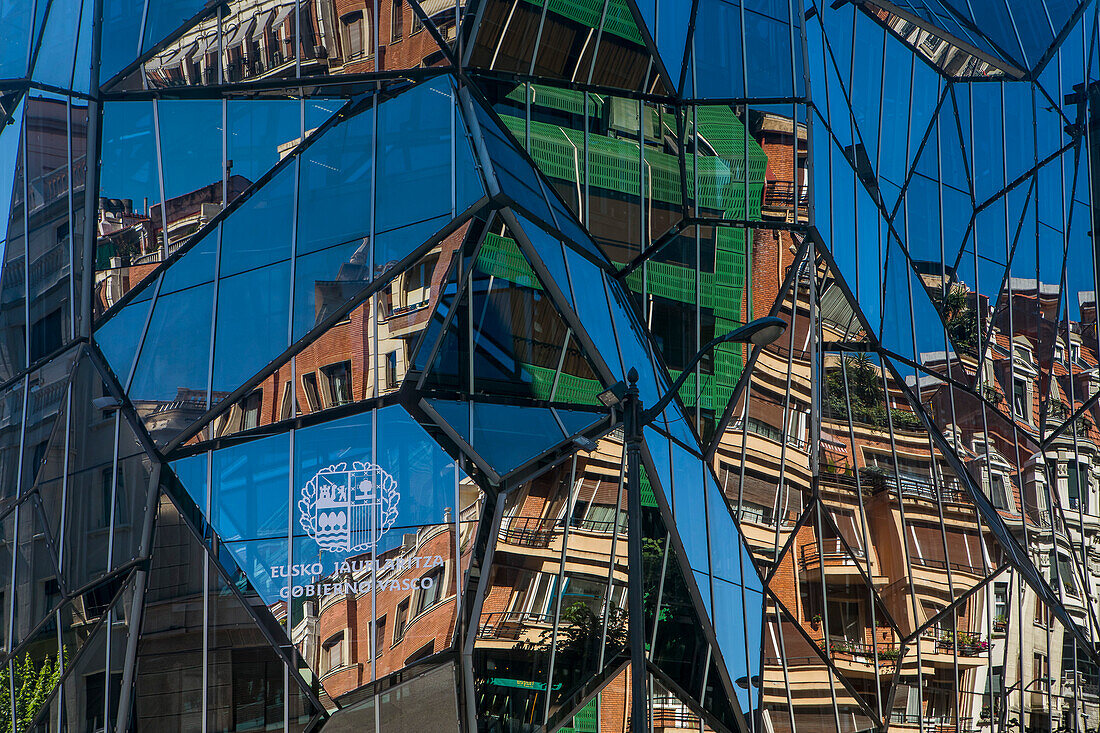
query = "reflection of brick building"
x=263 y=39
x=413 y=607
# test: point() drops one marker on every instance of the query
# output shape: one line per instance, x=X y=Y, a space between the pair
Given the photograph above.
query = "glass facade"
x=317 y=319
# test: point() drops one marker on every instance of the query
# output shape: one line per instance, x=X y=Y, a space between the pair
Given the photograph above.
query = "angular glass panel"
x=521 y=345
x=596 y=41
x=487 y=430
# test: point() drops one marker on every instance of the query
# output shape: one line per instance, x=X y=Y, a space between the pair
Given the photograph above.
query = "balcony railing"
x=835 y=554
x=510 y=624
x=944 y=565
x=785 y=195
x=529 y=532
x=934 y=723
x=969 y=645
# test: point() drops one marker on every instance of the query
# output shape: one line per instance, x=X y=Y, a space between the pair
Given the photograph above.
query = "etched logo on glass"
x=348 y=509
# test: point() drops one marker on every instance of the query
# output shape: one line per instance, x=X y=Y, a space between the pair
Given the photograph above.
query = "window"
x=106 y=479
x=338 y=382
x=1043 y=616
x=417 y=26
x=397 y=20
x=1059 y=352
x=1078 y=485
x=999 y=491
x=313 y=395
x=756 y=513
x=1074 y=351
x=1000 y=603
x=286 y=409
x=354 y=35
x=390 y=374
x=1019 y=398
x=62 y=232
x=250 y=410
x=1065 y=575
x=431 y=590
x=332 y=652
x=379 y=636
x=400 y=619
x=1041 y=672
x=46 y=334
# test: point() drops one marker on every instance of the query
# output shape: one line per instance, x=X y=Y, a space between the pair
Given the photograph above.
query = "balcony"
x=838 y=561
x=786 y=199
x=532 y=532
x=511 y=625
x=933 y=723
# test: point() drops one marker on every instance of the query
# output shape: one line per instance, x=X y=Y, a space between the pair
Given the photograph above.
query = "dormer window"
x=1020 y=403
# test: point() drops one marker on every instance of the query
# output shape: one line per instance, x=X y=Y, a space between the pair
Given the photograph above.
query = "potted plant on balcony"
x=890 y=655
x=815 y=621
x=1000 y=622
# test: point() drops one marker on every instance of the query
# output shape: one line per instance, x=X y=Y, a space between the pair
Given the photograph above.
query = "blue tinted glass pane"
x=263 y=562
x=494 y=437
x=121 y=33
x=702 y=580
x=717 y=69
x=424 y=473
x=54 y=62
x=259 y=232
x=324 y=280
x=16 y=19
x=576 y=421
x=253 y=318
x=191 y=154
x=726 y=562
x=194 y=267
x=768 y=49
x=670 y=34
x=689 y=507
x=129 y=155
x=414 y=155
x=166 y=16
x=118 y=338
x=257 y=128
x=250 y=489
x=191 y=472
x=174 y=360
x=335 y=188
x=395 y=244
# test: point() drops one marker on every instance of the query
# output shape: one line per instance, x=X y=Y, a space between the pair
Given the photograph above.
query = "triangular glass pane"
x=595 y=42
x=174 y=644
x=299 y=519
x=952 y=57
x=506 y=325
x=94 y=489
x=333 y=366
x=487 y=430
x=92 y=687
x=520 y=181
x=798 y=687
x=554 y=626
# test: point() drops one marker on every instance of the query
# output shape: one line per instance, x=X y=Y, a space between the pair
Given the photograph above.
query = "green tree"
x=34 y=682
x=863 y=390
x=959 y=315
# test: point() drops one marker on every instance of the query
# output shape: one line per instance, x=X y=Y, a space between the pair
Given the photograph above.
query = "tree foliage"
x=34 y=682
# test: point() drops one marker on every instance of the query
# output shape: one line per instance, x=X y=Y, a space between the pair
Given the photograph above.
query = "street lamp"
x=760 y=332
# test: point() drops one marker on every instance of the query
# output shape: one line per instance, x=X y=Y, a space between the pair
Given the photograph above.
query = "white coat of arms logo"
x=348 y=509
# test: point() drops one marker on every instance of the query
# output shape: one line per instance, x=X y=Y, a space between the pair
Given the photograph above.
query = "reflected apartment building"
x=257 y=40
